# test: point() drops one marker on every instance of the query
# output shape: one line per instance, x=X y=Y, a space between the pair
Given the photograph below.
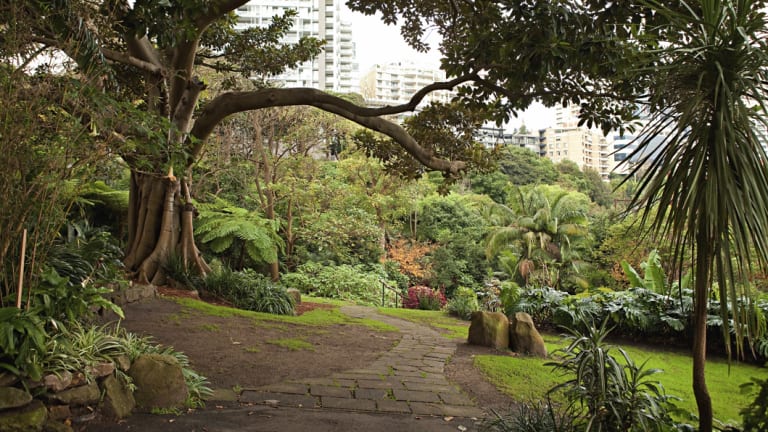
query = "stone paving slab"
x=284 y=399
x=363 y=393
x=463 y=411
x=429 y=379
x=379 y=384
x=389 y=405
x=321 y=390
x=409 y=385
x=290 y=388
x=348 y=404
x=445 y=410
x=452 y=398
x=424 y=408
x=409 y=373
x=415 y=396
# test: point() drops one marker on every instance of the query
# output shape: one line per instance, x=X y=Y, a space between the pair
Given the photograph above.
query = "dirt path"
x=365 y=381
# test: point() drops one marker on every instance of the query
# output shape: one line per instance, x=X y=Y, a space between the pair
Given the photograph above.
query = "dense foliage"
x=608 y=392
x=248 y=290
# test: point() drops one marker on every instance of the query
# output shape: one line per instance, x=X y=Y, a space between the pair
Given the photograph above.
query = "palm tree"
x=709 y=174
x=534 y=237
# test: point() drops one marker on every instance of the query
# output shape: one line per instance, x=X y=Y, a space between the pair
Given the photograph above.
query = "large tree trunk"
x=159 y=226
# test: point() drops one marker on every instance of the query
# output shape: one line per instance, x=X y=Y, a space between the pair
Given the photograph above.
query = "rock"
x=489 y=329
x=84 y=395
x=78 y=379
x=58 y=382
x=59 y=412
x=123 y=362
x=118 y=399
x=295 y=295
x=30 y=418
x=101 y=369
x=55 y=426
x=523 y=336
x=11 y=397
x=138 y=292
x=8 y=379
x=159 y=382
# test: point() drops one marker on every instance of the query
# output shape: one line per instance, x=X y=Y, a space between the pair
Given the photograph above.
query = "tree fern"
x=223 y=226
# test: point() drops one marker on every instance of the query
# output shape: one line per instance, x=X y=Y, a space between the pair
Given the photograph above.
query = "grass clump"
x=211 y=327
x=293 y=344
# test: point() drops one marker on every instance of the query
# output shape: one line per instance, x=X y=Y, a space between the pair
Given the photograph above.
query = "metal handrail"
x=385 y=286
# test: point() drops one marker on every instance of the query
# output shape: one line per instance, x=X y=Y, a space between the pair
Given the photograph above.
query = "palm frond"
x=709 y=174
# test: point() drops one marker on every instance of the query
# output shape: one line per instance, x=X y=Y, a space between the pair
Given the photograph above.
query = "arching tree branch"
x=234 y=102
x=133 y=61
x=420 y=95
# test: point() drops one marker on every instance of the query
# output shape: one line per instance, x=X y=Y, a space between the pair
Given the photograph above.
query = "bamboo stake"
x=21 y=268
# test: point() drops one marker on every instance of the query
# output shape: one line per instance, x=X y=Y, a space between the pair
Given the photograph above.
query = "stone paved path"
x=409 y=379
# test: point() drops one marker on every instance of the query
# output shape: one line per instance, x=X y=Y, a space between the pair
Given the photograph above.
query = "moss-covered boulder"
x=29 y=418
x=159 y=382
x=56 y=426
x=523 y=336
x=118 y=399
x=295 y=295
x=11 y=397
x=489 y=329
x=78 y=396
x=58 y=381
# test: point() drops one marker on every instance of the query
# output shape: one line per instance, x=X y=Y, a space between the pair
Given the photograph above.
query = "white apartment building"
x=588 y=148
x=492 y=137
x=396 y=83
x=335 y=69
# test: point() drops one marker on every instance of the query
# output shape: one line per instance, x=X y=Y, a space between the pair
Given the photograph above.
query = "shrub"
x=509 y=294
x=78 y=347
x=393 y=274
x=22 y=337
x=540 y=303
x=424 y=297
x=534 y=417
x=463 y=303
x=249 y=290
x=355 y=283
x=265 y=296
x=610 y=394
x=755 y=416
x=179 y=274
x=86 y=254
x=56 y=299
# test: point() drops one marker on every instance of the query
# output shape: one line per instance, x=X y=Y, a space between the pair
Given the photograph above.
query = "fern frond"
x=221 y=244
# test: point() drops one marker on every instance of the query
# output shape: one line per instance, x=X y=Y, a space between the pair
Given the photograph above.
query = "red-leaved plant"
x=424 y=297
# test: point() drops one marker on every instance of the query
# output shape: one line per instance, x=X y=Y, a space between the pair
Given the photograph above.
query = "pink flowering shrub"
x=424 y=297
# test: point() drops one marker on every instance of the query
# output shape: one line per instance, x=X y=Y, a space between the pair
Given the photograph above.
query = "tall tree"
x=709 y=176
x=148 y=54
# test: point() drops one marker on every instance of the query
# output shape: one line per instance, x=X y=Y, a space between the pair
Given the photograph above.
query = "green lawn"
x=314 y=318
x=526 y=378
x=452 y=327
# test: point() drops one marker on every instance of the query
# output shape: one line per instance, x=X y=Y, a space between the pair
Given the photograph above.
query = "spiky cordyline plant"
x=709 y=174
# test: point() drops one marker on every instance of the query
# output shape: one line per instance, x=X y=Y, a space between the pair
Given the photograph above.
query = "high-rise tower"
x=335 y=69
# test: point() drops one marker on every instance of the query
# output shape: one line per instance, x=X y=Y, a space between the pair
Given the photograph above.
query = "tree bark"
x=159 y=226
x=699 y=351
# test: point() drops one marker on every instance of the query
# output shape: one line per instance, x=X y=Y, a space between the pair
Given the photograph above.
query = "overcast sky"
x=377 y=43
